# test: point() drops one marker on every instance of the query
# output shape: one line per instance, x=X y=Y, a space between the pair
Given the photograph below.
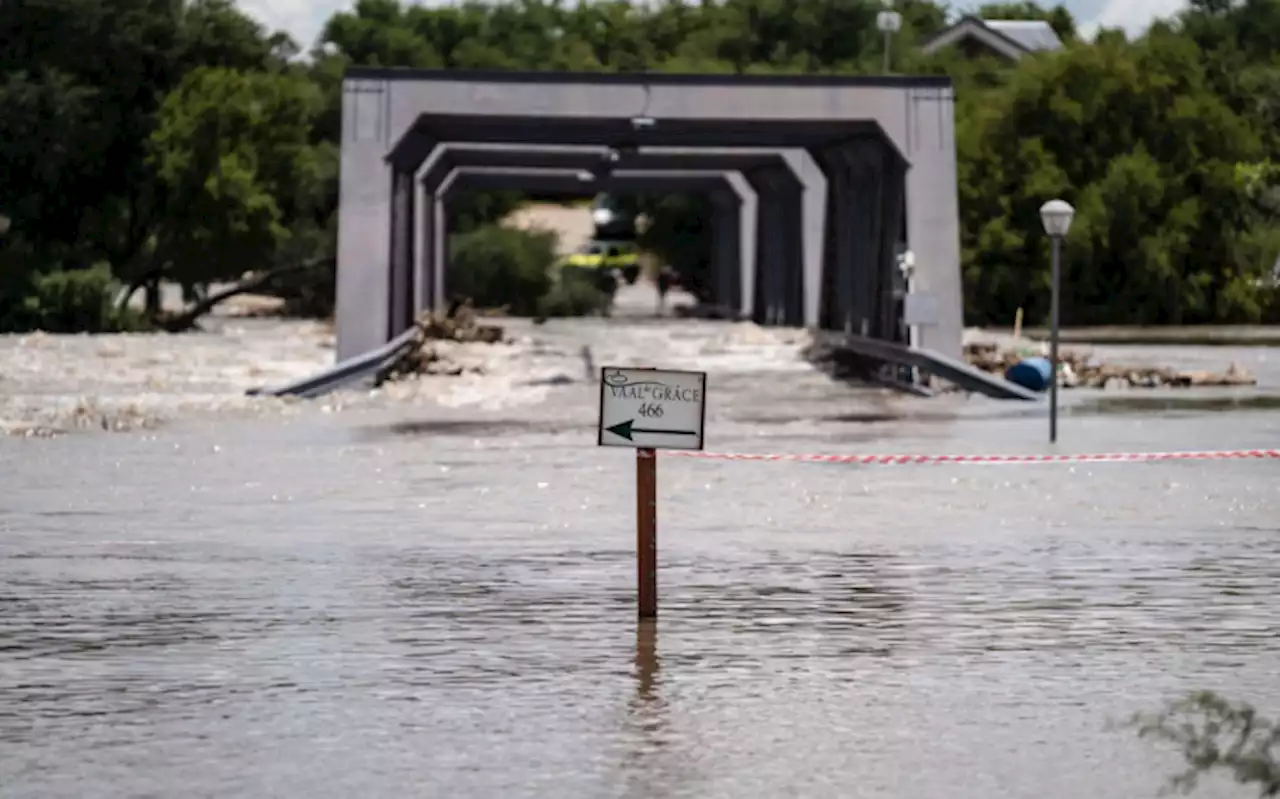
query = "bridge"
x=820 y=182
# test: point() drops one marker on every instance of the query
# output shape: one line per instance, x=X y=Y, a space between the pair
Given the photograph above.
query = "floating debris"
x=459 y=325
x=1077 y=369
x=86 y=414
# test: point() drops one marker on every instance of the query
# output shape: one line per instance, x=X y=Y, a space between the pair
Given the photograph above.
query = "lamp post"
x=888 y=22
x=1056 y=216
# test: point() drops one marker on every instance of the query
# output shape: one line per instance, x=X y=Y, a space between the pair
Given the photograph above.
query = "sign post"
x=647 y=532
x=648 y=410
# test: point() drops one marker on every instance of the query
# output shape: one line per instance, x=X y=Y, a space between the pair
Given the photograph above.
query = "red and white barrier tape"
x=989 y=460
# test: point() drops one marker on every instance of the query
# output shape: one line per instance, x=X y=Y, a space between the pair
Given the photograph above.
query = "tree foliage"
x=178 y=140
x=232 y=156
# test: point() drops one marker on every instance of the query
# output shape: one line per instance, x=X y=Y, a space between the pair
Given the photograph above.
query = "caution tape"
x=987 y=460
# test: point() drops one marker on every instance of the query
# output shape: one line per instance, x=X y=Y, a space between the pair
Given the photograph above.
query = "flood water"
x=433 y=596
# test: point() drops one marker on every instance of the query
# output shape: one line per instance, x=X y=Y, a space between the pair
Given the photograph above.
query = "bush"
x=574 y=294
x=71 y=301
x=496 y=266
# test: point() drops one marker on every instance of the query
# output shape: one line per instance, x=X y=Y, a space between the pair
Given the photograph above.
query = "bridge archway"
x=771 y=276
x=729 y=239
x=394 y=118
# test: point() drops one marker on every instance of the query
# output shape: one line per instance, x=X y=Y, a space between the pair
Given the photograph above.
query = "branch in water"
x=1215 y=734
x=186 y=320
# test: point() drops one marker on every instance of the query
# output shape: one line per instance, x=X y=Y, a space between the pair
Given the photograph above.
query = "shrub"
x=497 y=266
x=71 y=301
x=574 y=294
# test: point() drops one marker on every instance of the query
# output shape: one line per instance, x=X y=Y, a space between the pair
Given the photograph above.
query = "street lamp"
x=888 y=22
x=1056 y=216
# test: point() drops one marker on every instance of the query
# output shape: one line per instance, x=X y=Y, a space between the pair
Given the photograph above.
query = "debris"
x=1078 y=370
x=458 y=325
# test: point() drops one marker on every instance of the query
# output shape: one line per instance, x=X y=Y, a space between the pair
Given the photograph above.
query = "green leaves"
x=496 y=266
x=231 y=151
x=1140 y=138
x=179 y=139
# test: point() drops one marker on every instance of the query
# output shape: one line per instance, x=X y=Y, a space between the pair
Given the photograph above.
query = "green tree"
x=1136 y=137
x=233 y=156
x=178 y=139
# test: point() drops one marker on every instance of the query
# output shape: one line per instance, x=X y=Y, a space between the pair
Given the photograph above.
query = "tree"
x=233 y=156
x=178 y=139
x=1135 y=136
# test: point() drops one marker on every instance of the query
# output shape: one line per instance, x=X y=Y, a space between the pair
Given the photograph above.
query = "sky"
x=304 y=18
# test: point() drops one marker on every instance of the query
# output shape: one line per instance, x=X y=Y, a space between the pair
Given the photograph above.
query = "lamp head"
x=888 y=21
x=1056 y=216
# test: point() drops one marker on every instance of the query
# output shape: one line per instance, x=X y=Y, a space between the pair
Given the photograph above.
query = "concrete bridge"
x=818 y=183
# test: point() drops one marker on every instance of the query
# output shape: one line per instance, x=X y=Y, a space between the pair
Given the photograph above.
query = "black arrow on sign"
x=625 y=429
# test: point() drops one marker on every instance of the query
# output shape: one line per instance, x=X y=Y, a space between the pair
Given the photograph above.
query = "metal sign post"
x=648 y=410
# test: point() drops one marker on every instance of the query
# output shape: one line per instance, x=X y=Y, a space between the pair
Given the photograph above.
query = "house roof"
x=1011 y=38
x=1032 y=34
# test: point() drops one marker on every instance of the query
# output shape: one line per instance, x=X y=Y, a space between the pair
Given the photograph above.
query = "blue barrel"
x=1030 y=373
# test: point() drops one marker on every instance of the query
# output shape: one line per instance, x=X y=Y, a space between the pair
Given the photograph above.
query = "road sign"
x=652 y=408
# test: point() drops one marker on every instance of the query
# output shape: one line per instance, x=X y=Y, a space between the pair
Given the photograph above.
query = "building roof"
x=1033 y=34
x=1011 y=38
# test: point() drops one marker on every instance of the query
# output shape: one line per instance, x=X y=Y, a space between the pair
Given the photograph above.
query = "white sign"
x=652 y=408
x=920 y=309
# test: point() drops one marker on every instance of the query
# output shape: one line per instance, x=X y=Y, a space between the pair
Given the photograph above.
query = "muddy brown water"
x=418 y=598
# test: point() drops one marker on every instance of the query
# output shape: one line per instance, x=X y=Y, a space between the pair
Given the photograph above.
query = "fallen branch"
x=186 y=320
x=1215 y=734
x=135 y=286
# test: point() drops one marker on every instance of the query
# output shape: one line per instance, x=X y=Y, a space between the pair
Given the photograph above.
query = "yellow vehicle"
x=605 y=255
x=606 y=260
